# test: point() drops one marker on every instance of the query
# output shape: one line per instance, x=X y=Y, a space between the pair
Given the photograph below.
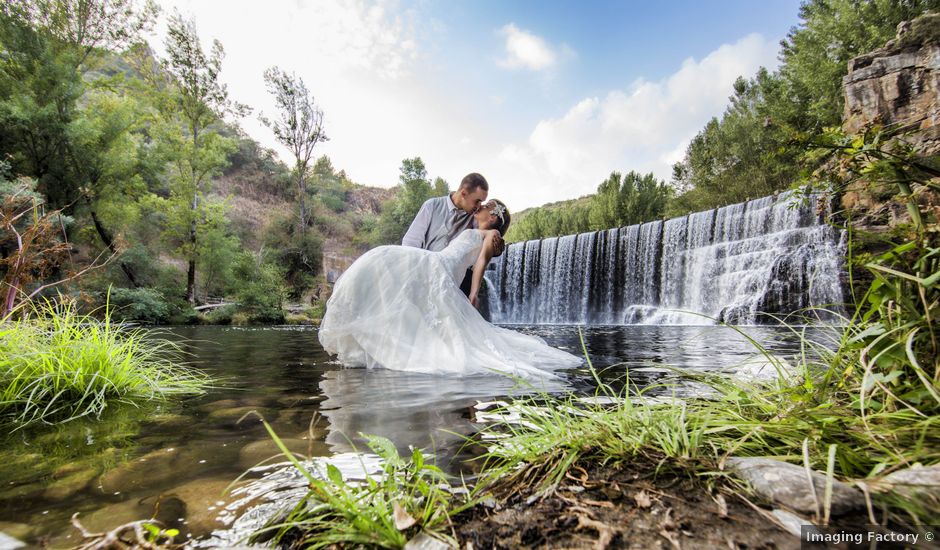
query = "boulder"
x=66 y=486
x=785 y=484
x=263 y=449
x=919 y=482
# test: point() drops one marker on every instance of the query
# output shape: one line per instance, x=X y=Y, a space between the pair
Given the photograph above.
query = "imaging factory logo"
x=869 y=537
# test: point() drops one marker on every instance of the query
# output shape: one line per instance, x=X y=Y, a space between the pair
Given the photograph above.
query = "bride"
x=401 y=308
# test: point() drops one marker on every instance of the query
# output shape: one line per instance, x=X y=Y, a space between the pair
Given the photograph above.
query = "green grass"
x=57 y=365
x=409 y=496
x=814 y=416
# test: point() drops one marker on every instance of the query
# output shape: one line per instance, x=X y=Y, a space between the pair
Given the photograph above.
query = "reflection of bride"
x=401 y=308
x=420 y=410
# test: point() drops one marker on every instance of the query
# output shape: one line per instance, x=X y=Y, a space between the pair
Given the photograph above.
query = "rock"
x=30 y=491
x=10 y=543
x=899 y=84
x=920 y=483
x=761 y=368
x=19 y=531
x=114 y=515
x=424 y=541
x=203 y=500
x=792 y=523
x=236 y=417
x=263 y=449
x=165 y=465
x=785 y=484
x=67 y=486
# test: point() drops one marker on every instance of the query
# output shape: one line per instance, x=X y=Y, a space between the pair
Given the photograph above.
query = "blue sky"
x=544 y=98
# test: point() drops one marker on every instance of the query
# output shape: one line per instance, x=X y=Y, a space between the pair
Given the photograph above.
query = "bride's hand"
x=473 y=300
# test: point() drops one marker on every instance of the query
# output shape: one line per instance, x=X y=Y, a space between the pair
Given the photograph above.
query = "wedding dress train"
x=401 y=308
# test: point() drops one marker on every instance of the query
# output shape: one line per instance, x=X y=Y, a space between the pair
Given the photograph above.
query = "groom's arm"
x=418 y=230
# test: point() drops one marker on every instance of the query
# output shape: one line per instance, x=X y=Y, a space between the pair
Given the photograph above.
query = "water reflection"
x=411 y=409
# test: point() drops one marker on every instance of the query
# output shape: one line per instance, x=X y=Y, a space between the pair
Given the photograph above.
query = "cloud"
x=525 y=50
x=645 y=127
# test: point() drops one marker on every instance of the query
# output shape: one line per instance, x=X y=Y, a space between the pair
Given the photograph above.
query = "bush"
x=143 y=305
x=260 y=290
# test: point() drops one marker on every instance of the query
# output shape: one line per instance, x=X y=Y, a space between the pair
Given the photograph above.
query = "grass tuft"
x=57 y=365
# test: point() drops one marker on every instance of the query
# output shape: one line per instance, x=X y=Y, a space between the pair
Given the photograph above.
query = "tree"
x=195 y=100
x=413 y=189
x=298 y=126
x=86 y=27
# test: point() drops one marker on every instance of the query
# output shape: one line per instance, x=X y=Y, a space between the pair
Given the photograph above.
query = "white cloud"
x=644 y=128
x=525 y=50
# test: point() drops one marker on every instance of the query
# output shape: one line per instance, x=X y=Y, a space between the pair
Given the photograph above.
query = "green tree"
x=194 y=100
x=298 y=126
x=414 y=188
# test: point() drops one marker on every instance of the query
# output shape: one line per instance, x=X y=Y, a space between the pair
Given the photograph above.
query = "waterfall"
x=746 y=263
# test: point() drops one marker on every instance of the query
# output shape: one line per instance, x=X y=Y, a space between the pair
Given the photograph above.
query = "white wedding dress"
x=401 y=308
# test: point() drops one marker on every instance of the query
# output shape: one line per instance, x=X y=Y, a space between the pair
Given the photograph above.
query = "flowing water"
x=175 y=460
x=742 y=264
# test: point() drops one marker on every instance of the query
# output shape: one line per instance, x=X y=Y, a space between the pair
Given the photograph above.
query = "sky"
x=545 y=99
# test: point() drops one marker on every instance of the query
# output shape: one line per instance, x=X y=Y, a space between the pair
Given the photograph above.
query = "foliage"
x=620 y=200
x=258 y=287
x=299 y=257
x=56 y=365
x=298 y=126
x=408 y=497
x=414 y=188
x=195 y=99
x=32 y=246
x=143 y=305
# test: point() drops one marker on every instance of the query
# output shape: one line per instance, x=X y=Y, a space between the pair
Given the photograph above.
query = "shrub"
x=145 y=305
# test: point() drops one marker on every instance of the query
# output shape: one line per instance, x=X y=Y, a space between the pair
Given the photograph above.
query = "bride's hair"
x=505 y=218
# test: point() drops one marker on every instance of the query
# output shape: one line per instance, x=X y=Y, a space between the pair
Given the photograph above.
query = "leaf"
x=403 y=519
x=642 y=499
x=333 y=473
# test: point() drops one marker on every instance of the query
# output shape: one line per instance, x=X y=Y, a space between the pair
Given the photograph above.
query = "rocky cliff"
x=899 y=85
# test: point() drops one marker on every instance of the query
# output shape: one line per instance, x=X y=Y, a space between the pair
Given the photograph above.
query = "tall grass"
x=57 y=365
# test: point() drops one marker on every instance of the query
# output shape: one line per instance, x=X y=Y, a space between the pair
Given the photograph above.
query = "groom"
x=441 y=219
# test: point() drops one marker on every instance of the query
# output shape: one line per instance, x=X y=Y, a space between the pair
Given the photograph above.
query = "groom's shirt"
x=438 y=222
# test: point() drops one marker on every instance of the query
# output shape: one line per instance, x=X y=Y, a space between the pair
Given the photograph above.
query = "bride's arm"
x=482 y=260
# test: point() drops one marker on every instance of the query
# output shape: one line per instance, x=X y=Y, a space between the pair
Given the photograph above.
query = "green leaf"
x=334 y=475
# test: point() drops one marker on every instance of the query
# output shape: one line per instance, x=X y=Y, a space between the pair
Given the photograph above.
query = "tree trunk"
x=191 y=272
x=302 y=190
x=108 y=241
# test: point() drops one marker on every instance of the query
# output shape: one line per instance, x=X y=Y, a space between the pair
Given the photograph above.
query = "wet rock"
x=70 y=484
x=262 y=450
x=236 y=417
x=791 y=522
x=19 y=531
x=219 y=404
x=114 y=515
x=165 y=465
x=28 y=491
x=424 y=541
x=786 y=485
x=203 y=500
x=921 y=483
x=763 y=369
x=8 y=542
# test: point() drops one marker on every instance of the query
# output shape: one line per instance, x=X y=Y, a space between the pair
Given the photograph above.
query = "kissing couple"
x=413 y=307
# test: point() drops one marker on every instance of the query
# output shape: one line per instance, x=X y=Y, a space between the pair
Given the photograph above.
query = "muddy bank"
x=630 y=506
